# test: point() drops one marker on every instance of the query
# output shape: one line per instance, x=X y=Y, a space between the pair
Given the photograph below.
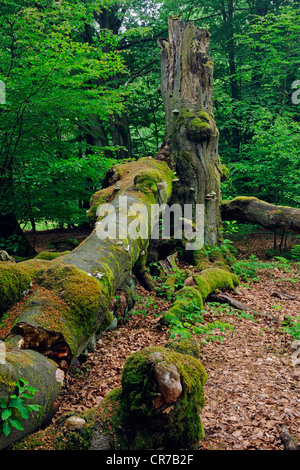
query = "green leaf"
x=6 y=428
x=24 y=412
x=15 y=402
x=6 y=414
x=33 y=407
x=16 y=423
x=3 y=403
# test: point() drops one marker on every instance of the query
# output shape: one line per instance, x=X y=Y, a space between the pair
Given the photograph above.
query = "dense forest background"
x=82 y=81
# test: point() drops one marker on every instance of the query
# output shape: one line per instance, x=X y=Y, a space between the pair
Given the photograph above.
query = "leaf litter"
x=252 y=388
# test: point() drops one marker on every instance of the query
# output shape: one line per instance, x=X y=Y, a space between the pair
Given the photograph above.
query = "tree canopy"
x=82 y=90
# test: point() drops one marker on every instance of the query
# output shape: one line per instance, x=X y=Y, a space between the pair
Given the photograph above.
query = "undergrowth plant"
x=292 y=327
x=191 y=323
x=15 y=408
x=247 y=269
x=295 y=253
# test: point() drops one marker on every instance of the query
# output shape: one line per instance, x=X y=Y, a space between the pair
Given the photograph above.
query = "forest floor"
x=252 y=388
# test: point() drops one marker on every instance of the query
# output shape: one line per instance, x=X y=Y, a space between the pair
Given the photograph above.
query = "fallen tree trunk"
x=288 y=440
x=69 y=298
x=255 y=211
x=157 y=406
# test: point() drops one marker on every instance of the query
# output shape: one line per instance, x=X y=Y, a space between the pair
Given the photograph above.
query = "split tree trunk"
x=191 y=137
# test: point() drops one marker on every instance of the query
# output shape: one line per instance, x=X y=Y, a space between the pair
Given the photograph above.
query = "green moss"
x=198 y=129
x=219 y=258
x=185 y=346
x=84 y=295
x=203 y=286
x=146 y=182
x=183 y=118
x=209 y=64
x=208 y=281
x=14 y=282
x=103 y=196
x=203 y=116
x=198 y=126
x=187 y=299
x=225 y=173
x=141 y=176
x=56 y=437
x=240 y=199
x=201 y=259
x=7 y=381
x=219 y=279
x=48 y=255
x=147 y=427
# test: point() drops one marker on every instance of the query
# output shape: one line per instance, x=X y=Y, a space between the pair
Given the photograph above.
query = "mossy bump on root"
x=206 y=282
x=146 y=426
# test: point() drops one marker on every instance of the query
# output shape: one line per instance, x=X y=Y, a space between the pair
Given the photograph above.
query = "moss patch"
x=48 y=255
x=14 y=282
x=145 y=426
x=85 y=296
x=185 y=346
x=198 y=126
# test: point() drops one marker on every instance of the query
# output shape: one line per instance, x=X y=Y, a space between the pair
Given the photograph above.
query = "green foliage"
x=56 y=83
x=262 y=154
x=190 y=322
x=247 y=270
x=10 y=244
x=292 y=327
x=221 y=309
x=15 y=408
x=295 y=252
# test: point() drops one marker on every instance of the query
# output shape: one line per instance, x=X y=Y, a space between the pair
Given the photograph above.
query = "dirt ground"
x=252 y=388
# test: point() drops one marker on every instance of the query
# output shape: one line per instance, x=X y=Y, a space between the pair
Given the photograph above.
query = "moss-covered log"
x=255 y=211
x=69 y=298
x=42 y=374
x=158 y=405
x=205 y=283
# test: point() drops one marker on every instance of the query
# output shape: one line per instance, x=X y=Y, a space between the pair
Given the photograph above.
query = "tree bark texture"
x=69 y=299
x=191 y=137
x=255 y=211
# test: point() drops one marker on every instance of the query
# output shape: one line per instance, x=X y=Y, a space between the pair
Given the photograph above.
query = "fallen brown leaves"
x=252 y=388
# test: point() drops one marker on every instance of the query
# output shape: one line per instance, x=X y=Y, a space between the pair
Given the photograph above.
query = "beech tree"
x=70 y=299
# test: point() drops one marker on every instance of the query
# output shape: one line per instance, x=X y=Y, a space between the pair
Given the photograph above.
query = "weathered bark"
x=71 y=296
x=191 y=137
x=255 y=211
